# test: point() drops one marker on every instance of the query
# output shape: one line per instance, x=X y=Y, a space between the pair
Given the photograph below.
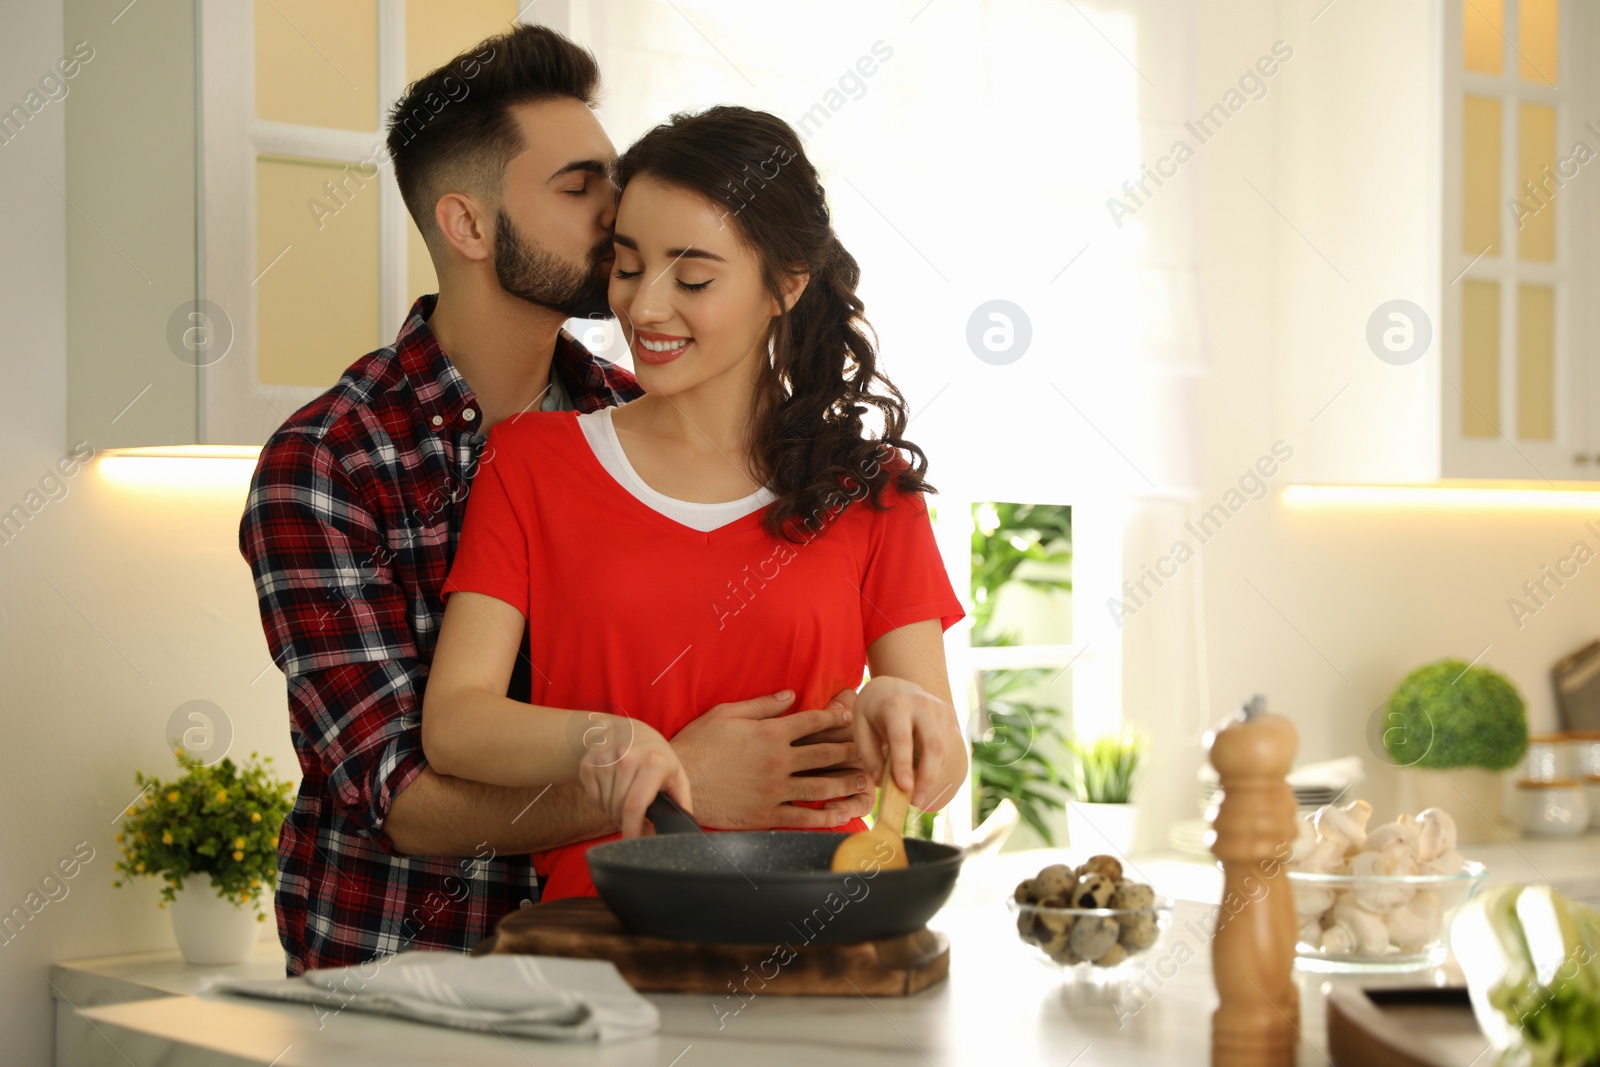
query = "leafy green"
x=1532 y=962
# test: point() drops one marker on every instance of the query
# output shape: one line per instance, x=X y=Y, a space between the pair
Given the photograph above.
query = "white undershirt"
x=602 y=437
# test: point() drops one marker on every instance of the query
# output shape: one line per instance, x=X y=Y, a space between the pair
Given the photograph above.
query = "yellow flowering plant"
x=219 y=820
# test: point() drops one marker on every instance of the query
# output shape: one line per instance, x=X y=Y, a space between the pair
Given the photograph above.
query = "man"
x=356 y=506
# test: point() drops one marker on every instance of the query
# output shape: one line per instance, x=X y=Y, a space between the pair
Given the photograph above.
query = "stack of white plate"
x=1315 y=785
x=1308 y=797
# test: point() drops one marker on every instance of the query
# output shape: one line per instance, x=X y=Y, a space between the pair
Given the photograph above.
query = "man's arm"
x=437 y=815
x=336 y=622
x=748 y=762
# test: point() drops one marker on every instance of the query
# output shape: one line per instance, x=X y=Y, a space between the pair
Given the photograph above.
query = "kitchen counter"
x=997 y=1005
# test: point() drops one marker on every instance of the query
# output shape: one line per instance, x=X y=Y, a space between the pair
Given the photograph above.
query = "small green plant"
x=215 y=820
x=1101 y=772
x=1450 y=714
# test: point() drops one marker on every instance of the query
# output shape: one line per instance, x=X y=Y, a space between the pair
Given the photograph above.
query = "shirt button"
x=469 y=414
x=527 y=903
x=438 y=420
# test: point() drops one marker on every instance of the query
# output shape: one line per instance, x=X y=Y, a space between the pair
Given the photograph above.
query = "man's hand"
x=748 y=762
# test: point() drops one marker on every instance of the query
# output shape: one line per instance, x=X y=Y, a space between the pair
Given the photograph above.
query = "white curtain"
x=969 y=150
x=972 y=151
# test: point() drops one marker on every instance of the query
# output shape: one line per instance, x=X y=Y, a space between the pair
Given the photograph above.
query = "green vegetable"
x=1532 y=962
x=1449 y=714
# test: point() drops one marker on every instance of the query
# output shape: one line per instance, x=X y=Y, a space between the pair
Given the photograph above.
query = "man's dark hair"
x=453 y=130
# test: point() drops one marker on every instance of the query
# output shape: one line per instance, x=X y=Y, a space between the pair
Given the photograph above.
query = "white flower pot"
x=1112 y=829
x=211 y=930
x=1471 y=795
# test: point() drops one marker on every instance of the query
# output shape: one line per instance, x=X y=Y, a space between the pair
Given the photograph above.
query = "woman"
x=757 y=536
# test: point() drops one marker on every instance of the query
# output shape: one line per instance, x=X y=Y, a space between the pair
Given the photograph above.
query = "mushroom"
x=1311 y=932
x=1417 y=924
x=1347 y=825
x=1354 y=931
x=1305 y=839
x=1436 y=835
x=1311 y=900
x=1445 y=863
x=1404 y=832
x=1380 y=897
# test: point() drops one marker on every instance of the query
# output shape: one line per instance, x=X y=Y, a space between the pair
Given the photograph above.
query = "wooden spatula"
x=881 y=845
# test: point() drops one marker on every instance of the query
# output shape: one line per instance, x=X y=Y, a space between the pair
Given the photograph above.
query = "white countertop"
x=998 y=1005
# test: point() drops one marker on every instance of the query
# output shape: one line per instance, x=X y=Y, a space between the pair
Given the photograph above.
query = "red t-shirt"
x=675 y=620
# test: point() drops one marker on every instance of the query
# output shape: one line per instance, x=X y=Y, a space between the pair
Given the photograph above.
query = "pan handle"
x=665 y=815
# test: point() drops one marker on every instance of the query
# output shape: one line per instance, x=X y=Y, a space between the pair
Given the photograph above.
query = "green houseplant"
x=1455 y=728
x=1101 y=816
x=212 y=836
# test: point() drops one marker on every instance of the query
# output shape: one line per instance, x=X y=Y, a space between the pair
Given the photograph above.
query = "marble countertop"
x=999 y=1004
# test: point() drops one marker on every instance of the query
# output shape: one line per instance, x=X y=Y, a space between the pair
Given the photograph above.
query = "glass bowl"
x=1396 y=922
x=1138 y=932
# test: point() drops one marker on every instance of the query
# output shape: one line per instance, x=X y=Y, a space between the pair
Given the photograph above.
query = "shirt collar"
x=444 y=394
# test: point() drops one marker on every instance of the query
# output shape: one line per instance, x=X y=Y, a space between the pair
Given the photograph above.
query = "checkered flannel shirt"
x=350 y=526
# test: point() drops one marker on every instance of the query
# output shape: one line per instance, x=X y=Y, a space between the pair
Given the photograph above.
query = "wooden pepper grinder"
x=1258 y=1020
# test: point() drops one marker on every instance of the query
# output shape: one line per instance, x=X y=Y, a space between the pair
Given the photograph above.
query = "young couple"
x=669 y=584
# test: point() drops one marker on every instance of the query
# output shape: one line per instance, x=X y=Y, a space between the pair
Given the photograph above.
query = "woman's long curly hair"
x=808 y=441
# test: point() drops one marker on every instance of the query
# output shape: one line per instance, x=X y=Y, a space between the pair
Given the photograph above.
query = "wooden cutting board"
x=584 y=927
x=1423 y=1026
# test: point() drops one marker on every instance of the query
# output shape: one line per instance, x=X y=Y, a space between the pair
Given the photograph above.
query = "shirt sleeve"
x=905 y=580
x=492 y=557
x=336 y=623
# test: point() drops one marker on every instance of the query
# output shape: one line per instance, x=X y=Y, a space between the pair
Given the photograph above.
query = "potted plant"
x=1455 y=728
x=1101 y=816
x=212 y=836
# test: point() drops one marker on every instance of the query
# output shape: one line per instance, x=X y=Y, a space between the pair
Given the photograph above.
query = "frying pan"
x=763 y=887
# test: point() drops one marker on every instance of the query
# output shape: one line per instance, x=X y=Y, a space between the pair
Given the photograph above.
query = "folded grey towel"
x=529 y=996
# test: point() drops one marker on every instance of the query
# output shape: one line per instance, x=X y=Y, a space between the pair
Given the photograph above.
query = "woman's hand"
x=920 y=735
x=623 y=764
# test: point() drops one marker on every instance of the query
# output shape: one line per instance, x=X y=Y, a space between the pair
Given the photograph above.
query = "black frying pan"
x=763 y=887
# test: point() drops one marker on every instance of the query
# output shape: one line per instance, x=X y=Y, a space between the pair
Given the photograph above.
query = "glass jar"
x=1555 y=808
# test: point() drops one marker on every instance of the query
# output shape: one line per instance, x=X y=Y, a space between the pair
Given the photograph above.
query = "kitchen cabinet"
x=234 y=237
x=1439 y=206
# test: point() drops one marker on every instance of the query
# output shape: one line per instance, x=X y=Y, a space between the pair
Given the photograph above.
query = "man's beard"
x=536 y=275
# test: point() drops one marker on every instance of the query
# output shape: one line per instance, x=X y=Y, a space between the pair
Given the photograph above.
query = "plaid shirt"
x=350 y=526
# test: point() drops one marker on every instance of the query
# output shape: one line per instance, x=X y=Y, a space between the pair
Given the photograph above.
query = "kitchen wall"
x=1322 y=610
x=119 y=603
